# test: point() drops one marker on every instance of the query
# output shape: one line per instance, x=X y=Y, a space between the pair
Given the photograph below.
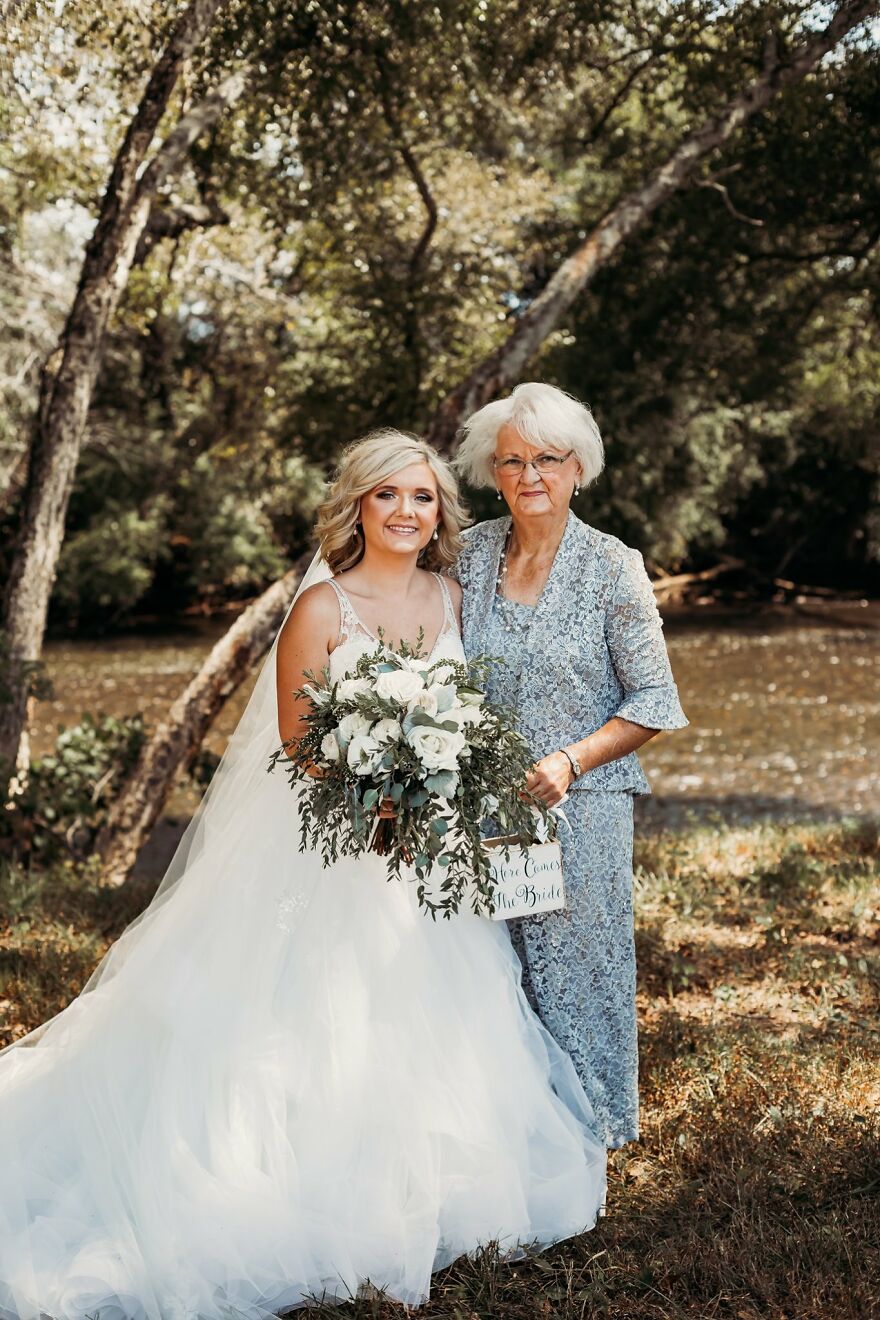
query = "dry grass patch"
x=753 y=1192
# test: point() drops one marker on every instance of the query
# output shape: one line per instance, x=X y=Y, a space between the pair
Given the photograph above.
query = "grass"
x=753 y=1192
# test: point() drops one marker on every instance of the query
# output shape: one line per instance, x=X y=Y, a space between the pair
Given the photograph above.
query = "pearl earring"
x=498 y=494
x=436 y=535
x=577 y=490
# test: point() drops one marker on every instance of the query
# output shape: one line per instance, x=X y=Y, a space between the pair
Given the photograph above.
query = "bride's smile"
x=401 y=514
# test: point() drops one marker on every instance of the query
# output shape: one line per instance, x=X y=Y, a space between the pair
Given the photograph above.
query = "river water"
x=783 y=702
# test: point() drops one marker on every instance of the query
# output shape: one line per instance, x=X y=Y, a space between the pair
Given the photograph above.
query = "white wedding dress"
x=287 y=1080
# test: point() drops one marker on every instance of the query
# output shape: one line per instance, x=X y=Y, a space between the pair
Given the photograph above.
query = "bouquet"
x=421 y=736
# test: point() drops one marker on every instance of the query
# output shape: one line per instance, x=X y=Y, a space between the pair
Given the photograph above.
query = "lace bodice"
x=356 y=639
x=591 y=648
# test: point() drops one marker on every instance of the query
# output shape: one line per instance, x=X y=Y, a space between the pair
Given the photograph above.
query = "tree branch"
x=179 y=218
x=65 y=395
x=188 y=130
x=504 y=365
x=412 y=335
x=622 y=92
x=725 y=197
x=415 y=172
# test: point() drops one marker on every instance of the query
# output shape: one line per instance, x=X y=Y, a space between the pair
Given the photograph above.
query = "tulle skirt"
x=289 y=1081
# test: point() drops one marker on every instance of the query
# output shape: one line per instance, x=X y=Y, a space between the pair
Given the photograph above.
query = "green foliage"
x=68 y=793
x=106 y=568
x=400 y=182
x=738 y=391
x=231 y=532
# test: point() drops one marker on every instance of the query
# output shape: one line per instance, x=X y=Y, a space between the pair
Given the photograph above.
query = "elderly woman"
x=571 y=612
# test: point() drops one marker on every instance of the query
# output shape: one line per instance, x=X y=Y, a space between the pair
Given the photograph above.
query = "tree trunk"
x=144 y=799
x=65 y=395
x=503 y=367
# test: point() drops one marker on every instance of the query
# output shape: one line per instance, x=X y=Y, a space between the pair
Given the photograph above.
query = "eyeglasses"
x=542 y=464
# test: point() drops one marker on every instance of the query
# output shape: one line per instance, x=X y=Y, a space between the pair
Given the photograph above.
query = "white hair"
x=546 y=417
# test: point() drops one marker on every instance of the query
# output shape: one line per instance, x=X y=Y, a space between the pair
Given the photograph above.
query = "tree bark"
x=503 y=367
x=175 y=743
x=171 y=221
x=143 y=800
x=66 y=394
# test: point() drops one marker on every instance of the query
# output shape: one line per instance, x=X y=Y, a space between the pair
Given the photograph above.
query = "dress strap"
x=449 y=620
x=349 y=623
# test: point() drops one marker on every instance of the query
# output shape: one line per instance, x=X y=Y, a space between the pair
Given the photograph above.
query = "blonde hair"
x=366 y=464
x=546 y=418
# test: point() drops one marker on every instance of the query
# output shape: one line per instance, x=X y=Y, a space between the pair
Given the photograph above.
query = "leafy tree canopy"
x=397 y=184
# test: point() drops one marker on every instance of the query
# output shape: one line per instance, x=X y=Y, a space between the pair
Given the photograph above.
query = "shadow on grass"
x=55 y=928
x=702 y=964
x=740 y=1221
x=680 y=811
x=753 y=1191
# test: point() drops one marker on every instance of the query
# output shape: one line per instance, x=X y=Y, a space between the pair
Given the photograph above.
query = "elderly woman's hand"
x=550 y=778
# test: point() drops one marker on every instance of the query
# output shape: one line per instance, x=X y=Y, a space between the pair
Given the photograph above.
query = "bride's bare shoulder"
x=454 y=588
x=316 y=611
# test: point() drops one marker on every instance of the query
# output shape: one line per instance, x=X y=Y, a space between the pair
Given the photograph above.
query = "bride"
x=283 y=1081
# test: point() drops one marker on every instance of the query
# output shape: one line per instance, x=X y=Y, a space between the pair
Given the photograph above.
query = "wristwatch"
x=573 y=762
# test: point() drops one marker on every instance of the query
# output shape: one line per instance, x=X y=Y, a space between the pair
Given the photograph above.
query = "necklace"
x=508 y=616
x=502 y=562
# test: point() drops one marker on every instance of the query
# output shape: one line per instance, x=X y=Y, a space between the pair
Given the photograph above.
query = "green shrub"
x=69 y=792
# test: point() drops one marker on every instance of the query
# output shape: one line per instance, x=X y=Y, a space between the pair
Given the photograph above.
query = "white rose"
x=362 y=752
x=330 y=747
x=399 y=685
x=349 y=688
x=425 y=700
x=472 y=698
x=350 y=726
x=437 y=749
x=464 y=715
x=444 y=672
x=386 y=731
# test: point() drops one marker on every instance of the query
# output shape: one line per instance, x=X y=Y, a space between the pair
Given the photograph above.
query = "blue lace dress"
x=590 y=649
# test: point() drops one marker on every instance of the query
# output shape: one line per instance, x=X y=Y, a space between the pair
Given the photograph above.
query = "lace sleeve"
x=459 y=570
x=634 y=632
